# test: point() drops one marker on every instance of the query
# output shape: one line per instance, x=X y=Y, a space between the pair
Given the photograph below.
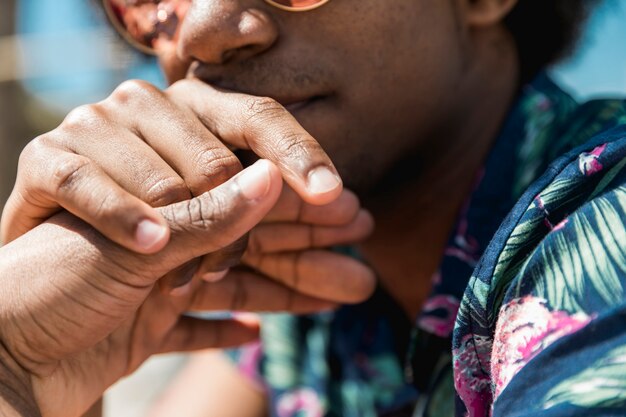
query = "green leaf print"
x=602 y=384
x=566 y=268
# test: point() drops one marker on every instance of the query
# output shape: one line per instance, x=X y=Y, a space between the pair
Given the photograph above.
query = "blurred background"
x=56 y=55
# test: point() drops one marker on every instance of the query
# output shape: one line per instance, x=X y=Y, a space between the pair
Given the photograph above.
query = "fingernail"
x=322 y=180
x=254 y=181
x=181 y=291
x=214 y=276
x=247 y=318
x=149 y=234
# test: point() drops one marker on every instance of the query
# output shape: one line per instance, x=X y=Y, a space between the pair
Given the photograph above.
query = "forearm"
x=16 y=396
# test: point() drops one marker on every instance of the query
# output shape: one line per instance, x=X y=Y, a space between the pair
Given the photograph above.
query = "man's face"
x=371 y=80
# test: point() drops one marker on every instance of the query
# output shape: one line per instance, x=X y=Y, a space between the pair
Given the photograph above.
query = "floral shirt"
x=527 y=313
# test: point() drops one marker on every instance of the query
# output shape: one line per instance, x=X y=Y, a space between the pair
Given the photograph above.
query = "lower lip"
x=299 y=105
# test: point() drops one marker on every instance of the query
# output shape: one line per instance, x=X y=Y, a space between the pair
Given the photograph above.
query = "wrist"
x=16 y=394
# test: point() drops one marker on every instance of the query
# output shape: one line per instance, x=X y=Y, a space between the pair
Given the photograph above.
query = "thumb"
x=219 y=217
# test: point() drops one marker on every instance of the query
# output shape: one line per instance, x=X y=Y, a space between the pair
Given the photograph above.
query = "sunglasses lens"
x=146 y=23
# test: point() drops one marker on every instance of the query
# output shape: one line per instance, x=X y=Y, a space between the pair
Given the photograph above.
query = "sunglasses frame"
x=114 y=20
x=297 y=9
x=122 y=31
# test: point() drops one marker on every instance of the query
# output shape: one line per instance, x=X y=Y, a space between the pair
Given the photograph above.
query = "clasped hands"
x=134 y=211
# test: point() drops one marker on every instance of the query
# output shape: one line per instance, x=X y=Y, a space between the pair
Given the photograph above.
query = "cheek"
x=398 y=76
x=406 y=62
x=413 y=69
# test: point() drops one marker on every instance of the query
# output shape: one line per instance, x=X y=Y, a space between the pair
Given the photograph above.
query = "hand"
x=78 y=312
x=110 y=163
x=290 y=246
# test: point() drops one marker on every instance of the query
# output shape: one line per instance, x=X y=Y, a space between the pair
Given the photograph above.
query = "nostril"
x=228 y=55
x=240 y=53
x=223 y=32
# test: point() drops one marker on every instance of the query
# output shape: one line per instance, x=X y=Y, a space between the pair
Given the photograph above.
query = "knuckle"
x=263 y=109
x=104 y=206
x=199 y=213
x=217 y=166
x=295 y=145
x=132 y=91
x=166 y=191
x=69 y=170
x=35 y=150
x=82 y=117
x=180 y=88
x=210 y=208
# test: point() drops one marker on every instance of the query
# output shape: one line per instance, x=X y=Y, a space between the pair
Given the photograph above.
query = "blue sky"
x=599 y=68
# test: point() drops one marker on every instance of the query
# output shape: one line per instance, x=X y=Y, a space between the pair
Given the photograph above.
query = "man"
x=422 y=108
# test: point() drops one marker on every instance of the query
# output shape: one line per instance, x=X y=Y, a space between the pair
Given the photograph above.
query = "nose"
x=221 y=31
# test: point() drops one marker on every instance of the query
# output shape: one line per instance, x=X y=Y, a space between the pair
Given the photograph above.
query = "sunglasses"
x=146 y=23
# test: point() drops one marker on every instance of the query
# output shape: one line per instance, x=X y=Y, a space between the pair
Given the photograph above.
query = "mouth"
x=293 y=103
x=294 y=106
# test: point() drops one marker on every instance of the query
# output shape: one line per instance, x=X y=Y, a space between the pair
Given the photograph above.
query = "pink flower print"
x=466 y=247
x=463 y=240
x=541 y=206
x=560 y=225
x=462 y=255
x=471 y=378
x=248 y=362
x=440 y=326
x=436 y=278
x=525 y=328
x=303 y=402
x=588 y=163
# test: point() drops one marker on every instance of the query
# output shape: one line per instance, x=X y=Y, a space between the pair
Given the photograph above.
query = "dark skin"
x=77 y=305
x=359 y=83
x=433 y=200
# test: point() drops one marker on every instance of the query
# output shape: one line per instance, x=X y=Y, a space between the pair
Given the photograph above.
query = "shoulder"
x=559 y=337
x=557 y=262
x=576 y=270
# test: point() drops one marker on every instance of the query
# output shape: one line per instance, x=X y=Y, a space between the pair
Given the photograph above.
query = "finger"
x=281 y=237
x=317 y=273
x=75 y=183
x=243 y=290
x=215 y=265
x=213 y=277
x=177 y=282
x=269 y=130
x=191 y=334
x=218 y=218
x=223 y=259
x=103 y=133
x=176 y=134
x=209 y=268
x=198 y=226
x=291 y=208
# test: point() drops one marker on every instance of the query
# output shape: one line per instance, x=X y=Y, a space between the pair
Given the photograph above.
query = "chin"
x=374 y=182
x=358 y=175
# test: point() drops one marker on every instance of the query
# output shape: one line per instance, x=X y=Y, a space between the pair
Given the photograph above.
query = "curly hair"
x=546 y=30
